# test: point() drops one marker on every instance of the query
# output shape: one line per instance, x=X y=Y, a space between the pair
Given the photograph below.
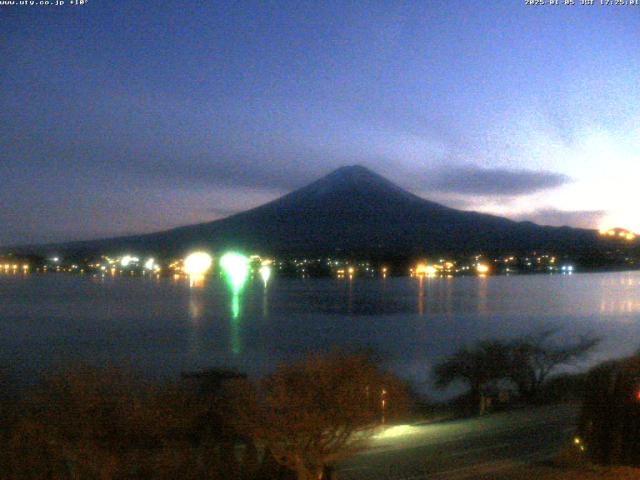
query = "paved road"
x=464 y=448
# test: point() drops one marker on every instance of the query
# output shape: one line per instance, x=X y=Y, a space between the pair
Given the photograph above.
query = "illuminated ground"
x=475 y=448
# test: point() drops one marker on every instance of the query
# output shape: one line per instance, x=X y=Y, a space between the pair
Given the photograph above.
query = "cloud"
x=474 y=180
x=291 y=170
x=560 y=218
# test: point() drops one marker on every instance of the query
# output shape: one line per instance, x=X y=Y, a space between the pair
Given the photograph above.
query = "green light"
x=265 y=273
x=236 y=268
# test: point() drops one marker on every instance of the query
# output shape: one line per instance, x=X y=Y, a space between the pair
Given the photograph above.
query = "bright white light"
x=265 y=273
x=150 y=264
x=197 y=263
x=126 y=260
x=397 y=431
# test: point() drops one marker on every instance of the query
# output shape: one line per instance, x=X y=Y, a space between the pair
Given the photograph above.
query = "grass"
x=557 y=472
x=567 y=465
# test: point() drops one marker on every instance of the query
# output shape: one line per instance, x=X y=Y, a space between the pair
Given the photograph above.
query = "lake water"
x=163 y=326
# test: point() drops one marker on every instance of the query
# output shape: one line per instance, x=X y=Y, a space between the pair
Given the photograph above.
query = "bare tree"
x=535 y=357
x=319 y=411
x=477 y=367
x=526 y=361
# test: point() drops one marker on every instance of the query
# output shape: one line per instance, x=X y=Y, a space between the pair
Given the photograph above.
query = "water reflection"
x=196 y=311
x=169 y=326
x=420 y=295
x=265 y=303
x=236 y=340
x=619 y=306
x=196 y=281
x=482 y=285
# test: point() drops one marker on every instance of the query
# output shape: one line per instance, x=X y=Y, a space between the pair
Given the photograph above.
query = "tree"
x=534 y=357
x=527 y=362
x=477 y=367
x=316 y=412
x=609 y=423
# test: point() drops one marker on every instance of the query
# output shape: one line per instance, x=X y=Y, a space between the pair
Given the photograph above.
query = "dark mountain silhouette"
x=353 y=211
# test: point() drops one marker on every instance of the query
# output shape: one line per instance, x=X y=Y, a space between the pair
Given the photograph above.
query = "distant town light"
x=620 y=233
x=482 y=268
x=197 y=263
x=421 y=269
x=265 y=273
x=127 y=260
x=150 y=264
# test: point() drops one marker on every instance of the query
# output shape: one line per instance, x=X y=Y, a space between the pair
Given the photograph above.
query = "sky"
x=136 y=116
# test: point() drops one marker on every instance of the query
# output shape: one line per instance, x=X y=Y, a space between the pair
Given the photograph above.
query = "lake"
x=163 y=326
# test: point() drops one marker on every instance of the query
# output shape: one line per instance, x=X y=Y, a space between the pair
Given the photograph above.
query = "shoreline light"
x=150 y=264
x=425 y=270
x=197 y=263
x=265 y=273
x=482 y=268
x=128 y=260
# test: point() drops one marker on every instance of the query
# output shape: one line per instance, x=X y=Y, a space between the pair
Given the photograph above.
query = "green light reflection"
x=236 y=340
x=236 y=269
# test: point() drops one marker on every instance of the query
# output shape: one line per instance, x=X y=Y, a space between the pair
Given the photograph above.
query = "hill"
x=352 y=211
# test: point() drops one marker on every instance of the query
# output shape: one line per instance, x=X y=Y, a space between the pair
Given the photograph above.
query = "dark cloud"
x=474 y=180
x=291 y=170
x=560 y=218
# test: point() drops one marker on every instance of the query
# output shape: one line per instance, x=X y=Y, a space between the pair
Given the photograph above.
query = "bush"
x=102 y=424
x=563 y=388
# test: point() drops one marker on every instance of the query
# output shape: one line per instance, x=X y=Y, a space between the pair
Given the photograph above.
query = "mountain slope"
x=354 y=210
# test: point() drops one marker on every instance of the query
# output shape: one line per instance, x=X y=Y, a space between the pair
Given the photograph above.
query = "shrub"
x=609 y=426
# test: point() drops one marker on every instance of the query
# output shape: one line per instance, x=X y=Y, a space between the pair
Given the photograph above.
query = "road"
x=464 y=448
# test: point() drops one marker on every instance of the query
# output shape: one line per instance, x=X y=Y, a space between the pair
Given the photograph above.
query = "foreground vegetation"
x=300 y=421
x=520 y=367
x=90 y=423
x=569 y=464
